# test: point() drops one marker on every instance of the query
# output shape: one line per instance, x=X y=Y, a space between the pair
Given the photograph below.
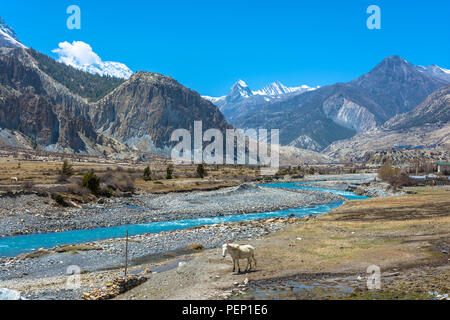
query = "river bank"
x=41 y=275
x=30 y=214
x=327 y=256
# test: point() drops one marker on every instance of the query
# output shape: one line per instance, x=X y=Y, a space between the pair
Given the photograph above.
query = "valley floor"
x=325 y=257
x=406 y=236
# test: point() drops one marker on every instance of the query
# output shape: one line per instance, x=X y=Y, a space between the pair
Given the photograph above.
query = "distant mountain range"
x=314 y=119
x=53 y=106
x=241 y=100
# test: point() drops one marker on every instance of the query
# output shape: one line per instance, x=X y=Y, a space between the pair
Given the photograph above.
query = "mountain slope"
x=396 y=86
x=435 y=109
x=427 y=125
x=40 y=107
x=436 y=71
x=8 y=37
x=145 y=110
x=87 y=85
x=339 y=111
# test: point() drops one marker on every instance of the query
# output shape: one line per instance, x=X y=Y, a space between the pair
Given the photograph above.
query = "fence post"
x=126 y=255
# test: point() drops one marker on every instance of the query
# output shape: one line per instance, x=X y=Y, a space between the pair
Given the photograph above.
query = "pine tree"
x=201 y=171
x=67 y=169
x=169 y=171
x=147 y=176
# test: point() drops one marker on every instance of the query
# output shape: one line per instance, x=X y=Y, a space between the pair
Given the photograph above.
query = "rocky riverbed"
x=30 y=214
x=44 y=276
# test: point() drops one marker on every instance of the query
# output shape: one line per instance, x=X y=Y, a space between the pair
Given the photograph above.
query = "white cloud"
x=77 y=53
x=81 y=56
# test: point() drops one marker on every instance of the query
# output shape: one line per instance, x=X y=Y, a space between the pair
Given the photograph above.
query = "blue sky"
x=208 y=45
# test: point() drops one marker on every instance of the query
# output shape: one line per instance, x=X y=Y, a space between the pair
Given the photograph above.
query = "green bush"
x=59 y=199
x=67 y=169
x=92 y=182
x=147 y=176
x=169 y=171
x=201 y=171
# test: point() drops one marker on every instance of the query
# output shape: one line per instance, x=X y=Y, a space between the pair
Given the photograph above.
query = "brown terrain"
x=406 y=236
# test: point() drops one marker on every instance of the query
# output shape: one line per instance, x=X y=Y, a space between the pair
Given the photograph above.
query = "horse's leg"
x=239 y=267
x=249 y=264
x=254 y=259
x=234 y=264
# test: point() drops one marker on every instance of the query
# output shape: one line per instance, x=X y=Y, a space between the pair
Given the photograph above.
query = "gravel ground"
x=30 y=214
x=37 y=273
x=45 y=276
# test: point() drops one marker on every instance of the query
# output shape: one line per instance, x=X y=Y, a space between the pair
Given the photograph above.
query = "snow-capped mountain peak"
x=241 y=91
x=8 y=37
x=241 y=83
x=81 y=56
x=277 y=89
x=436 y=71
x=273 y=89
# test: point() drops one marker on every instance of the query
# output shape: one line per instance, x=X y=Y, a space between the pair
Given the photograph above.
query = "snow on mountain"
x=436 y=71
x=214 y=99
x=240 y=90
x=8 y=37
x=81 y=56
x=277 y=89
x=108 y=68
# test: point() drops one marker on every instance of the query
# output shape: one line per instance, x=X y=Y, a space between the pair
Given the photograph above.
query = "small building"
x=443 y=167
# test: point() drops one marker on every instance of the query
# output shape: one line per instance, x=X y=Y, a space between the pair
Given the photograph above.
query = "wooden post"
x=126 y=255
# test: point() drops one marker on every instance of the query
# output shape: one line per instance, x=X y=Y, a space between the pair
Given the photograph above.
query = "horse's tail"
x=254 y=259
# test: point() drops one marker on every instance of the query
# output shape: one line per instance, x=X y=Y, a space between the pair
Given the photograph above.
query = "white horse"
x=237 y=252
x=14 y=179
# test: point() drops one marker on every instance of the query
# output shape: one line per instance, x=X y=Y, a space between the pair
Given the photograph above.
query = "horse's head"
x=225 y=249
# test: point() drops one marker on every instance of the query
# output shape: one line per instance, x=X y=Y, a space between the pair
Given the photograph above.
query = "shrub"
x=27 y=185
x=201 y=171
x=62 y=178
x=67 y=169
x=78 y=190
x=105 y=192
x=147 y=176
x=386 y=171
x=402 y=181
x=59 y=199
x=121 y=182
x=91 y=181
x=169 y=171
x=125 y=183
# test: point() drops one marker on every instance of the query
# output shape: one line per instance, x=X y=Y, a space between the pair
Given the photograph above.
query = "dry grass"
x=362 y=233
x=45 y=174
